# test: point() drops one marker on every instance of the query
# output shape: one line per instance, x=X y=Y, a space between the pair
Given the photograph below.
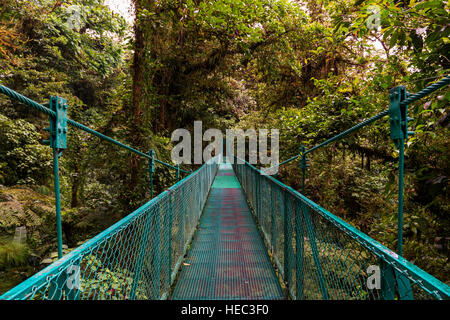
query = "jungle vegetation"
x=311 y=68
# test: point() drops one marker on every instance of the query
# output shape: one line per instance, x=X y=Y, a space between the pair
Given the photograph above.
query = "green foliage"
x=13 y=254
x=342 y=76
x=311 y=69
x=23 y=159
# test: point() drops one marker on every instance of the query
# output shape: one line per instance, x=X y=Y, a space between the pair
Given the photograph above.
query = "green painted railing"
x=399 y=99
x=320 y=256
x=136 y=258
x=56 y=109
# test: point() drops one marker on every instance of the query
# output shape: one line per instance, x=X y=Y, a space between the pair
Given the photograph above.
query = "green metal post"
x=156 y=258
x=57 y=203
x=184 y=214
x=141 y=256
x=178 y=172
x=387 y=281
x=288 y=250
x=389 y=278
x=299 y=237
x=259 y=193
x=401 y=165
x=303 y=166
x=272 y=219
x=58 y=142
x=310 y=228
x=299 y=245
x=169 y=258
x=151 y=169
x=315 y=252
x=257 y=198
x=398 y=120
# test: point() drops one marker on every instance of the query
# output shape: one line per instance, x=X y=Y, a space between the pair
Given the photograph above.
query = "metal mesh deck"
x=227 y=259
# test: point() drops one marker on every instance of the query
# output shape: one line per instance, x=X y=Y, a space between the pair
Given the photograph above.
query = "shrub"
x=13 y=254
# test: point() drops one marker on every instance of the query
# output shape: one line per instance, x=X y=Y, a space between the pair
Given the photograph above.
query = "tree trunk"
x=136 y=112
x=75 y=187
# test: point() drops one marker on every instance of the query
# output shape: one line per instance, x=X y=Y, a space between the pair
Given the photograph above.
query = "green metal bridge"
x=230 y=231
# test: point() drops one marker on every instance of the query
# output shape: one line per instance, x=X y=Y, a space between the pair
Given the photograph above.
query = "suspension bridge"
x=230 y=231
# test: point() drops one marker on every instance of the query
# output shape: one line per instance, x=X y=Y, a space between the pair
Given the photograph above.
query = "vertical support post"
x=315 y=252
x=169 y=259
x=310 y=229
x=299 y=245
x=257 y=197
x=303 y=166
x=166 y=245
x=260 y=197
x=299 y=237
x=151 y=169
x=401 y=167
x=57 y=202
x=392 y=279
x=141 y=254
x=183 y=213
x=287 y=215
x=157 y=247
x=178 y=171
x=387 y=281
x=398 y=120
x=256 y=194
x=58 y=142
x=404 y=287
x=272 y=217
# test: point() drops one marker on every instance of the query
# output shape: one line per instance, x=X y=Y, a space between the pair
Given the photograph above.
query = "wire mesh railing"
x=136 y=258
x=399 y=99
x=56 y=109
x=320 y=256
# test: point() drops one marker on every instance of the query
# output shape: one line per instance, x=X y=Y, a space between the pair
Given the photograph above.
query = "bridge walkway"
x=227 y=258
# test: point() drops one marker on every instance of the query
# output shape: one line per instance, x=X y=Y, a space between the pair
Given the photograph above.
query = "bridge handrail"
x=399 y=99
x=42 y=280
x=410 y=99
x=429 y=283
x=29 y=102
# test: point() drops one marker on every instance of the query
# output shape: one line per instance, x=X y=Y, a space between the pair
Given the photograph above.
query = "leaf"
x=416 y=41
x=393 y=39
